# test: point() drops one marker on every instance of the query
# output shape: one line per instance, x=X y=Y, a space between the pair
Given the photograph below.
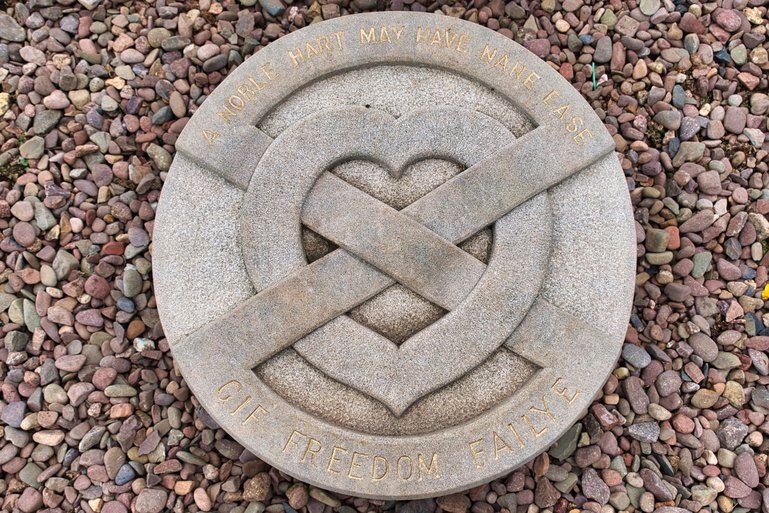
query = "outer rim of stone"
x=264 y=439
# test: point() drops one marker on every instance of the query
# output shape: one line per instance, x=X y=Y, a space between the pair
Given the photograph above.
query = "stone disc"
x=394 y=255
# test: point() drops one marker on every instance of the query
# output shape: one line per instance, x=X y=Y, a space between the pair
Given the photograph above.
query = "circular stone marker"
x=394 y=255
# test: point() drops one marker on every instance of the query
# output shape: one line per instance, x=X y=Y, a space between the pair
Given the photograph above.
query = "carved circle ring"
x=394 y=255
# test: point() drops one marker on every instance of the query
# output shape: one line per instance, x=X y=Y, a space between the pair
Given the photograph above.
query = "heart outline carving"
x=441 y=353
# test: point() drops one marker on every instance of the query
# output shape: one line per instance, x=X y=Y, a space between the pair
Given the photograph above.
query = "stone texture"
x=428 y=372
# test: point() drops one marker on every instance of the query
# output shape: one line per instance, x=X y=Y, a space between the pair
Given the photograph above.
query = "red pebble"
x=113 y=248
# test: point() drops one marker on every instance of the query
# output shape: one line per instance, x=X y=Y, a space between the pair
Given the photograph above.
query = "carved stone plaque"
x=394 y=255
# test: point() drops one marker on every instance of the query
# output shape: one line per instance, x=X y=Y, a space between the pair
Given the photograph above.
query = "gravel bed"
x=93 y=415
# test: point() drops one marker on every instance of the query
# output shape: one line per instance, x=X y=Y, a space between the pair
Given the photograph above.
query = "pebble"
x=159 y=156
x=654 y=484
x=688 y=151
x=593 y=487
x=703 y=346
x=603 y=50
x=649 y=7
x=10 y=30
x=13 y=413
x=202 y=500
x=126 y=474
x=455 y=503
x=545 y=495
x=215 y=63
x=745 y=469
x=636 y=356
x=32 y=55
x=30 y=501
x=33 y=148
x=131 y=56
x=132 y=283
x=157 y=35
x=151 y=501
x=731 y=432
x=648 y=432
x=669 y=382
x=175 y=43
x=709 y=182
x=729 y=19
x=273 y=7
x=704 y=398
x=670 y=119
x=657 y=240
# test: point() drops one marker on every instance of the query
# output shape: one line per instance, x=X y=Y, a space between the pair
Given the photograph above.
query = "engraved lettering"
x=291 y=440
x=379 y=463
x=354 y=465
x=245 y=92
x=259 y=86
x=310 y=50
x=268 y=71
x=259 y=410
x=368 y=37
x=462 y=43
x=517 y=436
x=226 y=114
x=536 y=420
x=561 y=111
x=551 y=95
x=476 y=451
x=398 y=33
x=322 y=45
x=529 y=80
x=404 y=463
x=580 y=137
x=443 y=38
x=502 y=63
x=422 y=34
x=236 y=102
x=563 y=393
x=242 y=404
x=488 y=54
x=333 y=459
x=534 y=431
x=224 y=396
x=574 y=125
x=545 y=410
x=211 y=136
x=296 y=56
x=312 y=449
x=390 y=35
x=338 y=36
x=232 y=390
x=433 y=468
x=517 y=70
x=499 y=445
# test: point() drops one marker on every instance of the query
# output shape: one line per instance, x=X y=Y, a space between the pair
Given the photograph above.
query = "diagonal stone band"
x=392 y=242
x=309 y=296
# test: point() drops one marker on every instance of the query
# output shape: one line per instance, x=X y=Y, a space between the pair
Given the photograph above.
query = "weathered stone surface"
x=398 y=209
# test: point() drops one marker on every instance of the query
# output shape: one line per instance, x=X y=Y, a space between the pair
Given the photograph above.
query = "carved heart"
x=478 y=324
x=397 y=313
